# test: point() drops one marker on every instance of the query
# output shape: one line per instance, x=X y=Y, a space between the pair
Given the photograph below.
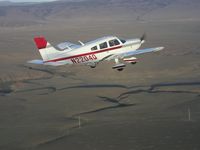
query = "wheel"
x=133 y=62
x=92 y=66
x=120 y=69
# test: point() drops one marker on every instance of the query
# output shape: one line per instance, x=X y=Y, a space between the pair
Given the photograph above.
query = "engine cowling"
x=131 y=60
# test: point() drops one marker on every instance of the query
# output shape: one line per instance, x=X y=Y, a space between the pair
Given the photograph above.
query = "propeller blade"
x=143 y=38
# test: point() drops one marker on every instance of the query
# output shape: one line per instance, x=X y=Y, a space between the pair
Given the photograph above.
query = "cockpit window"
x=103 y=45
x=94 y=48
x=123 y=41
x=113 y=42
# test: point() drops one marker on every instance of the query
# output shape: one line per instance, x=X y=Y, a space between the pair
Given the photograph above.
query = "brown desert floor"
x=151 y=105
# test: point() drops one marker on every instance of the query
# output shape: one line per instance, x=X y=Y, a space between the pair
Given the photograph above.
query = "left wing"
x=135 y=52
x=67 y=45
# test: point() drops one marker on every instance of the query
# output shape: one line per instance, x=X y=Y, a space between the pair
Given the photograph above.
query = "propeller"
x=143 y=38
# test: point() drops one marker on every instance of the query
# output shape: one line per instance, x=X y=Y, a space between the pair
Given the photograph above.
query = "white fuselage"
x=96 y=50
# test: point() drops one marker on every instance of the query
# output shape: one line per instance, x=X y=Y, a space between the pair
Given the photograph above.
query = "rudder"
x=40 y=42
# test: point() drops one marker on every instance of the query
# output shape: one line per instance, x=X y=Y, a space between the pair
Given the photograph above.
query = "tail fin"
x=47 y=51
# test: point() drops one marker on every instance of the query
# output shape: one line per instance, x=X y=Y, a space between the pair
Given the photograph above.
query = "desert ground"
x=154 y=104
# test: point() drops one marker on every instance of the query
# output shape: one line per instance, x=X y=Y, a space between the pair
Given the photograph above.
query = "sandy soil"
x=151 y=105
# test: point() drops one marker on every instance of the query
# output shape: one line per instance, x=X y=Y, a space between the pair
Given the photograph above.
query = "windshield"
x=123 y=41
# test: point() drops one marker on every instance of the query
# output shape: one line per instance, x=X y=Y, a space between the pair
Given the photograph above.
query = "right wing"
x=141 y=51
x=134 y=52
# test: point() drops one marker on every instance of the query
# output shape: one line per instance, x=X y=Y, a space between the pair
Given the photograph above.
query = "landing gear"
x=133 y=62
x=119 y=66
x=92 y=65
x=120 y=69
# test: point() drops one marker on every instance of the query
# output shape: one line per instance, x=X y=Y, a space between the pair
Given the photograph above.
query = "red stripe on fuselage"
x=79 y=55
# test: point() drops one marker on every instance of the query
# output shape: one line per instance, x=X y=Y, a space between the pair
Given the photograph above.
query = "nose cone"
x=134 y=41
x=142 y=41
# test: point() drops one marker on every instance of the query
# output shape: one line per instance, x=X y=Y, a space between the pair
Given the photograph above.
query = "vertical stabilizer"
x=47 y=51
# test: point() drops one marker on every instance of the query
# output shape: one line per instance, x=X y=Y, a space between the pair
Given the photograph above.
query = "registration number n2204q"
x=82 y=59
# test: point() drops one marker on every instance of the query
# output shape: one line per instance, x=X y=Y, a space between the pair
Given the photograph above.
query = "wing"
x=135 y=52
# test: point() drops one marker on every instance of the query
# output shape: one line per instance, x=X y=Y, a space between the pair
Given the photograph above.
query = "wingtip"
x=36 y=61
x=159 y=48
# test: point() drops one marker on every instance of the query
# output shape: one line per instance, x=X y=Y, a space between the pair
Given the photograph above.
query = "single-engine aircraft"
x=93 y=52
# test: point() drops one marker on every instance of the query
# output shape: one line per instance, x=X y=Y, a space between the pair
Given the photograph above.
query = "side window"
x=94 y=48
x=113 y=42
x=116 y=42
x=103 y=45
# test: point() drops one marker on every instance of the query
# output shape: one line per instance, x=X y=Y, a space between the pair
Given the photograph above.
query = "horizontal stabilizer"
x=55 y=63
x=36 y=61
x=41 y=62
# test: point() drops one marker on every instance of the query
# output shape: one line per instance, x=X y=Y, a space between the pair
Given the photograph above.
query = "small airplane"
x=93 y=52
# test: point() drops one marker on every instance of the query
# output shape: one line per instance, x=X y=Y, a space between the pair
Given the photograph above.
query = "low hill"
x=29 y=14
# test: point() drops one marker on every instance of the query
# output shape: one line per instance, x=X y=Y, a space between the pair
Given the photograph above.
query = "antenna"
x=189 y=114
x=79 y=122
x=69 y=47
x=81 y=43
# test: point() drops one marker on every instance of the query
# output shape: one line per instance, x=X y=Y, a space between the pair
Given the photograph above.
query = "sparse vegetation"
x=151 y=105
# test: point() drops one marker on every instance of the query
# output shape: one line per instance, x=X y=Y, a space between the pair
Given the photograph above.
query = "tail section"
x=47 y=51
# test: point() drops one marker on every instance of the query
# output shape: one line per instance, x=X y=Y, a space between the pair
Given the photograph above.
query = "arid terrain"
x=152 y=105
